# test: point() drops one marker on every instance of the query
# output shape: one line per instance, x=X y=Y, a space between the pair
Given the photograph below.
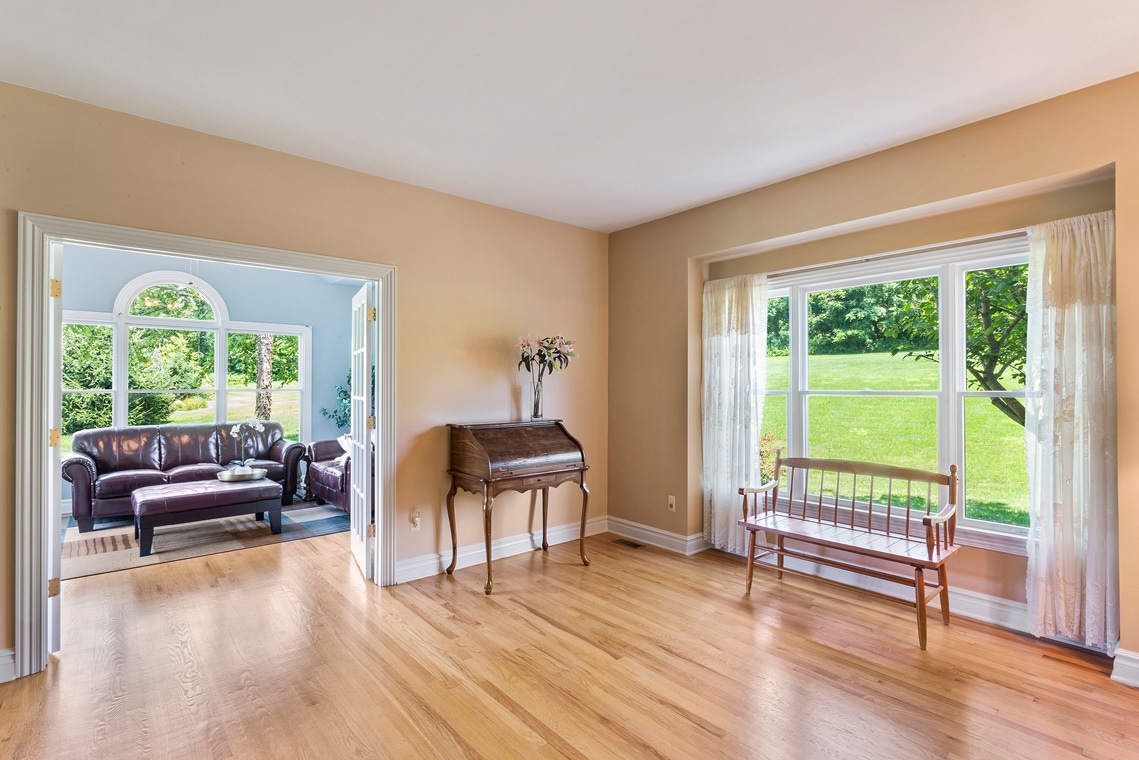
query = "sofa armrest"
x=79 y=470
x=289 y=454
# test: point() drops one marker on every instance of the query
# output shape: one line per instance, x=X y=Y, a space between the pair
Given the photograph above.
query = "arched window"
x=172 y=326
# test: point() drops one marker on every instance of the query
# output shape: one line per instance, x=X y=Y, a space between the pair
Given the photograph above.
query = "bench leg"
x=275 y=521
x=146 y=540
x=750 y=560
x=779 y=557
x=919 y=592
x=136 y=529
x=258 y=516
x=943 y=581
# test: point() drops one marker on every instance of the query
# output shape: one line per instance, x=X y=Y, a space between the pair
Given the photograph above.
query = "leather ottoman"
x=177 y=503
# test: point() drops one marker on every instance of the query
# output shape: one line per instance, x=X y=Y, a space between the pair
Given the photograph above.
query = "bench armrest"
x=947 y=512
x=766 y=488
x=939 y=528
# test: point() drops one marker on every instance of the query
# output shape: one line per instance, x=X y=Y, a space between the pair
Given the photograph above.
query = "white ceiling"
x=600 y=113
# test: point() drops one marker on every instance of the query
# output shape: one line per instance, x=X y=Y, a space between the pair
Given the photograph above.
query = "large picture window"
x=169 y=353
x=916 y=361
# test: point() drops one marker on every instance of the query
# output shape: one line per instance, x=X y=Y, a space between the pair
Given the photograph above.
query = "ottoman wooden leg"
x=136 y=529
x=258 y=516
x=275 y=521
x=146 y=539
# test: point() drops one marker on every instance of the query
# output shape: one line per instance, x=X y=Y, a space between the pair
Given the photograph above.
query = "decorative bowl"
x=229 y=476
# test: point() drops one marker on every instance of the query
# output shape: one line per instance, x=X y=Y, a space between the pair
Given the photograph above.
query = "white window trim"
x=948 y=263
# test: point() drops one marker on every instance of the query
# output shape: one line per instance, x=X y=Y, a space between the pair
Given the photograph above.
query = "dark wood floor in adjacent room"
x=283 y=651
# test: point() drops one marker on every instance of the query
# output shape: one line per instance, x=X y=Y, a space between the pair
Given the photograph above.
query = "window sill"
x=1008 y=543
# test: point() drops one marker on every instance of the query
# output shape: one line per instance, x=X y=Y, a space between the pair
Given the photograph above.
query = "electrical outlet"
x=671 y=503
x=415 y=521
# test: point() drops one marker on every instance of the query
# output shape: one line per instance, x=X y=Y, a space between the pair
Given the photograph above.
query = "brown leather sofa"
x=329 y=473
x=107 y=464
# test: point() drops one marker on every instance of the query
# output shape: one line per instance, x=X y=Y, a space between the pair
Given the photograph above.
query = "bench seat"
x=856 y=540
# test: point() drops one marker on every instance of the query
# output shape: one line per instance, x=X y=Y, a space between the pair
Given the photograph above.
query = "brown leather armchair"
x=330 y=473
x=108 y=464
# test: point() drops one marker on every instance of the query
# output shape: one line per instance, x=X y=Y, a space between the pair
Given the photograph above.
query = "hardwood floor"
x=283 y=651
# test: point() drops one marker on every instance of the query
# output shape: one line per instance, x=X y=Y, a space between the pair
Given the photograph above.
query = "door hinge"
x=53 y=587
x=371 y=422
x=56 y=288
x=372 y=531
x=53 y=437
x=372 y=314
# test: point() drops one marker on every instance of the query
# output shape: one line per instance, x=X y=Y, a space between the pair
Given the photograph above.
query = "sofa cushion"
x=115 y=484
x=119 y=449
x=188 y=445
x=329 y=473
x=189 y=473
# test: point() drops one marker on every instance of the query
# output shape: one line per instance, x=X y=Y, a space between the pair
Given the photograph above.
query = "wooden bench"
x=870 y=510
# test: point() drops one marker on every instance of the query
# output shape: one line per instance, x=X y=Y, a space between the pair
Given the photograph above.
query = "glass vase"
x=535 y=396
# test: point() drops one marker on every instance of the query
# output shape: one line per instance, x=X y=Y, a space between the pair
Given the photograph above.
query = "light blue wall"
x=93 y=277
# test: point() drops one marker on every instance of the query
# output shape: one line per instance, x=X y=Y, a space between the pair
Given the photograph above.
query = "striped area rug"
x=112 y=545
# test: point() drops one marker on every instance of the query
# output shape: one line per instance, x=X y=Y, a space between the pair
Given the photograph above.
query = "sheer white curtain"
x=1070 y=431
x=735 y=377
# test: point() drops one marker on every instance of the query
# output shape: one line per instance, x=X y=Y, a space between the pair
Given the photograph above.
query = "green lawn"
x=903 y=431
x=286 y=410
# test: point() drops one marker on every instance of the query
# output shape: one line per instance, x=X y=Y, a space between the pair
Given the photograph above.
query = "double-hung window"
x=915 y=360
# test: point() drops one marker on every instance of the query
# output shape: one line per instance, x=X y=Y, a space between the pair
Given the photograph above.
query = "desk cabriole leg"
x=584 y=507
x=545 y=514
x=451 y=522
x=488 y=505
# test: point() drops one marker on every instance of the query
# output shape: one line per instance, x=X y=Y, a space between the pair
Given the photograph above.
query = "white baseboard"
x=7 y=665
x=974 y=605
x=427 y=565
x=65 y=510
x=662 y=539
x=1126 y=669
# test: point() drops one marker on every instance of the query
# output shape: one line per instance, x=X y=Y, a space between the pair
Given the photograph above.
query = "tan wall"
x=470 y=280
x=650 y=283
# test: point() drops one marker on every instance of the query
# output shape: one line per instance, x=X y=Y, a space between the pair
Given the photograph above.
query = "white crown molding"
x=662 y=539
x=427 y=565
x=7 y=665
x=1126 y=669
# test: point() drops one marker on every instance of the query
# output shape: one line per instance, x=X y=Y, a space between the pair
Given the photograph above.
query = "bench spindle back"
x=890 y=512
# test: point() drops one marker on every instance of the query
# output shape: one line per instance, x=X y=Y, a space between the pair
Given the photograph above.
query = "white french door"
x=362 y=425
x=55 y=485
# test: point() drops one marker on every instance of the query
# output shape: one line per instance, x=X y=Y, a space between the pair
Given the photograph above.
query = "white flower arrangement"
x=542 y=356
x=238 y=431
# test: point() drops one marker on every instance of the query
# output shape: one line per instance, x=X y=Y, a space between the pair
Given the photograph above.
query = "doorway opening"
x=39 y=329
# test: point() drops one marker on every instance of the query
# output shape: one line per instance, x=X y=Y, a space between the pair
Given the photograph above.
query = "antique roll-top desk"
x=513 y=456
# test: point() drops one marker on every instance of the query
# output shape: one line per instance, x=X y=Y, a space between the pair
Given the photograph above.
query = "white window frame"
x=949 y=264
x=121 y=320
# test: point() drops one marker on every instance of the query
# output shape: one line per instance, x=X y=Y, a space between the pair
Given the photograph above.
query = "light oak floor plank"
x=284 y=651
